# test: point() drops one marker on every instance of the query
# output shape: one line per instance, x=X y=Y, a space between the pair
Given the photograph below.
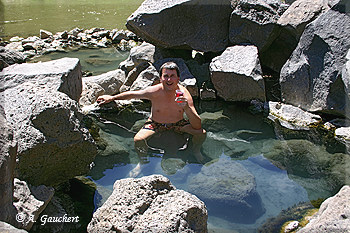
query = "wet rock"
x=312 y=78
x=333 y=215
x=229 y=190
x=237 y=75
x=149 y=204
x=45 y=34
x=204 y=28
x=10 y=57
x=30 y=202
x=8 y=153
x=292 y=117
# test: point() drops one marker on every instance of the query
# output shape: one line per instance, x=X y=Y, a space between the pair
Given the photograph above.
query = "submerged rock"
x=229 y=191
x=149 y=204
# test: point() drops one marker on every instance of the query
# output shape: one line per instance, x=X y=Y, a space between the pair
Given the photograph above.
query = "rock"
x=5 y=227
x=139 y=54
x=177 y=211
x=343 y=135
x=105 y=84
x=229 y=190
x=30 y=202
x=237 y=75
x=183 y=24
x=47 y=124
x=8 y=153
x=45 y=34
x=10 y=57
x=15 y=46
x=145 y=79
x=63 y=75
x=292 y=117
x=292 y=24
x=291 y=226
x=133 y=74
x=149 y=204
x=333 y=215
x=311 y=78
x=254 y=22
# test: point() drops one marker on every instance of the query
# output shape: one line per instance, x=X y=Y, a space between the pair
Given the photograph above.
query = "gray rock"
x=254 y=22
x=139 y=54
x=187 y=24
x=229 y=188
x=105 y=84
x=292 y=117
x=30 y=202
x=5 y=227
x=176 y=211
x=47 y=124
x=133 y=74
x=10 y=57
x=8 y=153
x=144 y=204
x=145 y=79
x=333 y=215
x=63 y=75
x=311 y=78
x=45 y=34
x=236 y=74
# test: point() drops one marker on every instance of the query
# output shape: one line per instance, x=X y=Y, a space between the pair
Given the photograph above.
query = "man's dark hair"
x=170 y=66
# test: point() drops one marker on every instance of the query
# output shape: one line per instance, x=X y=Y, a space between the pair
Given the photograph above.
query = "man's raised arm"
x=140 y=94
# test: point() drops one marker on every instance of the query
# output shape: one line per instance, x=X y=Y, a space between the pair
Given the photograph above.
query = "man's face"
x=169 y=79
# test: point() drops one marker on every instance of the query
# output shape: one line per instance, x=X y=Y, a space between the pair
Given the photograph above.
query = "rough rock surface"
x=149 y=204
x=312 y=78
x=236 y=74
x=47 y=124
x=10 y=57
x=230 y=188
x=8 y=153
x=190 y=24
x=30 y=202
x=255 y=22
x=333 y=215
x=105 y=84
x=5 y=227
x=292 y=117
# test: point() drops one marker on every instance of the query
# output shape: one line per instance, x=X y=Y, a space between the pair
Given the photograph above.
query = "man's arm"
x=190 y=111
x=140 y=94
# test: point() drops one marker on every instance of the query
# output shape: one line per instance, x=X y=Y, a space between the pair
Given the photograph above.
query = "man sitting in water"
x=167 y=111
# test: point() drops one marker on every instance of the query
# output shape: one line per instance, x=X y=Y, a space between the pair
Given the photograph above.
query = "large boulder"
x=5 y=227
x=8 y=153
x=333 y=215
x=10 y=57
x=47 y=123
x=187 y=24
x=229 y=190
x=255 y=22
x=236 y=74
x=292 y=24
x=312 y=77
x=149 y=204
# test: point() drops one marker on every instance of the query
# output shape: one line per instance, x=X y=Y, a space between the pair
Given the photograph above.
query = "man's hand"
x=181 y=101
x=104 y=99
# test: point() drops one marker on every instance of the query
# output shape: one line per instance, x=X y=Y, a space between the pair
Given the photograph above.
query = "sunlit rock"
x=237 y=75
x=149 y=204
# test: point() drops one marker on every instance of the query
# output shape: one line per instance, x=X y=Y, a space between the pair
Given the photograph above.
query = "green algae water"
x=26 y=17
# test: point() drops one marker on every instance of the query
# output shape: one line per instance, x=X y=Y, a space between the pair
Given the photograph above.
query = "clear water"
x=235 y=137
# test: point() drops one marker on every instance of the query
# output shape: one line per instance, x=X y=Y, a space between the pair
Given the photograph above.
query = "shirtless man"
x=167 y=111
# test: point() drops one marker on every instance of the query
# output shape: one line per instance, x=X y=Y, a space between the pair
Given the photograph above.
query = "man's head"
x=169 y=75
x=170 y=66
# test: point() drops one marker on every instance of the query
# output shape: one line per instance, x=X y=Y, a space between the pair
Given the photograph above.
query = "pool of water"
x=243 y=157
x=26 y=18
